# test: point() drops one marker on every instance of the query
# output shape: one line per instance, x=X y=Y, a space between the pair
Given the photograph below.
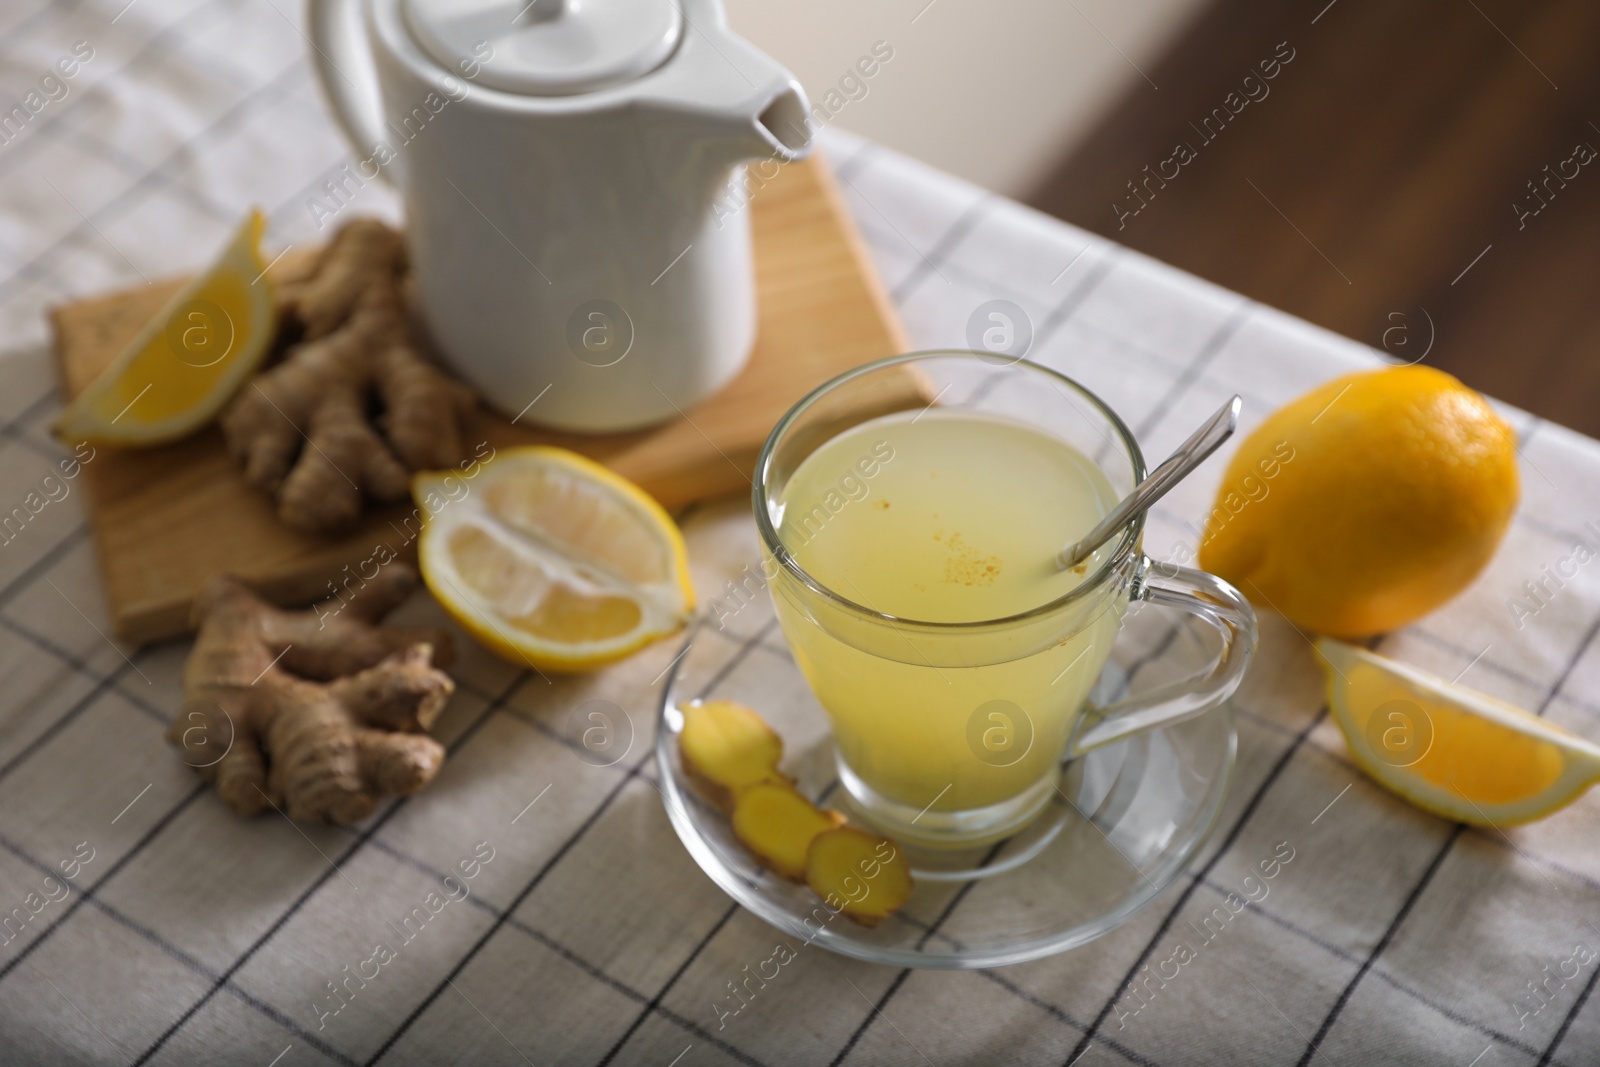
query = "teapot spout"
x=783 y=125
x=739 y=102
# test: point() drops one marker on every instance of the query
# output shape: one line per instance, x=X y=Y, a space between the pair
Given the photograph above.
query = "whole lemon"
x=1366 y=503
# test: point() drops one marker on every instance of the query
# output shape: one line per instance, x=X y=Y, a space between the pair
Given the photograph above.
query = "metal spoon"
x=1217 y=429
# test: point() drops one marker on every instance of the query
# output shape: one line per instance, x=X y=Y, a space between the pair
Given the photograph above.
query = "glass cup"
x=952 y=734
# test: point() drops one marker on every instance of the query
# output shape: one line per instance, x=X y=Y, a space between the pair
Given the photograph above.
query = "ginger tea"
x=954 y=517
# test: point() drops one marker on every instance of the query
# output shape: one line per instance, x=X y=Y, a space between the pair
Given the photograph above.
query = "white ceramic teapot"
x=570 y=171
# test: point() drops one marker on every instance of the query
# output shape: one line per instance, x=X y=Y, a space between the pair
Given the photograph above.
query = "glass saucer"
x=1126 y=818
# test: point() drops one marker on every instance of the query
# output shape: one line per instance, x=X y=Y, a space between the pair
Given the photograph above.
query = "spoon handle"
x=1204 y=441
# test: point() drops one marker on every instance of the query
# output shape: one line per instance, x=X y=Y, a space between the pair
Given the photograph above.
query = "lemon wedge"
x=1452 y=750
x=551 y=560
x=189 y=360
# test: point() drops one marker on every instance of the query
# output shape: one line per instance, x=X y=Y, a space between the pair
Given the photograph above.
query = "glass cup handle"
x=1211 y=600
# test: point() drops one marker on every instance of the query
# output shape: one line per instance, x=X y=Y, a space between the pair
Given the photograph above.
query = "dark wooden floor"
x=1393 y=172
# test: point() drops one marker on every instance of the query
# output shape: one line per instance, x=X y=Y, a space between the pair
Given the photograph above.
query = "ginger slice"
x=777 y=824
x=304 y=429
x=733 y=754
x=866 y=877
x=319 y=713
x=728 y=748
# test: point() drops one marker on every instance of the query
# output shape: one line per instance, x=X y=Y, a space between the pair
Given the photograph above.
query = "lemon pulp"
x=552 y=560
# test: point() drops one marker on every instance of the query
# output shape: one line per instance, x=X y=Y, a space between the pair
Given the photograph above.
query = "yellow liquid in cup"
x=945 y=516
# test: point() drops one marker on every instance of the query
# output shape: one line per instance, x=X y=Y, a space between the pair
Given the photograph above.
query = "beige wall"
x=992 y=90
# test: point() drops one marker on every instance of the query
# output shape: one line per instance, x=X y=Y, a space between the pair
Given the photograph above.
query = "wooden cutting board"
x=165 y=520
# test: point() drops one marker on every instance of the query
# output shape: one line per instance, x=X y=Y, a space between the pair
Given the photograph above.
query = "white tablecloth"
x=590 y=937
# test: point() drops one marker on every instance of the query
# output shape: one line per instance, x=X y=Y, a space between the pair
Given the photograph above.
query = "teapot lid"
x=548 y=47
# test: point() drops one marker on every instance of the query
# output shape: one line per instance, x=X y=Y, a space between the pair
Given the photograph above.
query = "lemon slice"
x=552 y=560
x=1451 y=750
x=189 y=360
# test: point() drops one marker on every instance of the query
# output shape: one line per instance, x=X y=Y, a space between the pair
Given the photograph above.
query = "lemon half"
x=1451 y=750
x=189 y=360
x=551 y=560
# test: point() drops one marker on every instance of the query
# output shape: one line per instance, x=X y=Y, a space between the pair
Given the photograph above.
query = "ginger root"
x=777 y=825
x=304 y=429
x=727 y=748
x=866 y=877
x=318 y=712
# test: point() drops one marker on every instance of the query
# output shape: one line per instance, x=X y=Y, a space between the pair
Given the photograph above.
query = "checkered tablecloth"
x=187 y=936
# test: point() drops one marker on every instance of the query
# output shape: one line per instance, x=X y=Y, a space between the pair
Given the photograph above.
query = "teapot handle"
x=344 y=66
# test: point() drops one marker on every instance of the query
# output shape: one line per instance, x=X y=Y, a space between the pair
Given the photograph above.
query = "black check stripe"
x=89 y=893
x=941 y=250
x=1566 y=1023
x=46 y=645
x=634 y=771
x=291 y=1025
x=222 y=213
x=578 y=961
x=655 y=1001
x=264 y=95
x=377 y=823
x=101 y=686
x=44 y=563
x=1315 y=747
x=156 y=49
x=1195 y=370
x=905 y=972
x=1306 y=935
x=182 y=957
x=32 y=410
x=311 y=1038
x=1188 y=891
x=1410 y=902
